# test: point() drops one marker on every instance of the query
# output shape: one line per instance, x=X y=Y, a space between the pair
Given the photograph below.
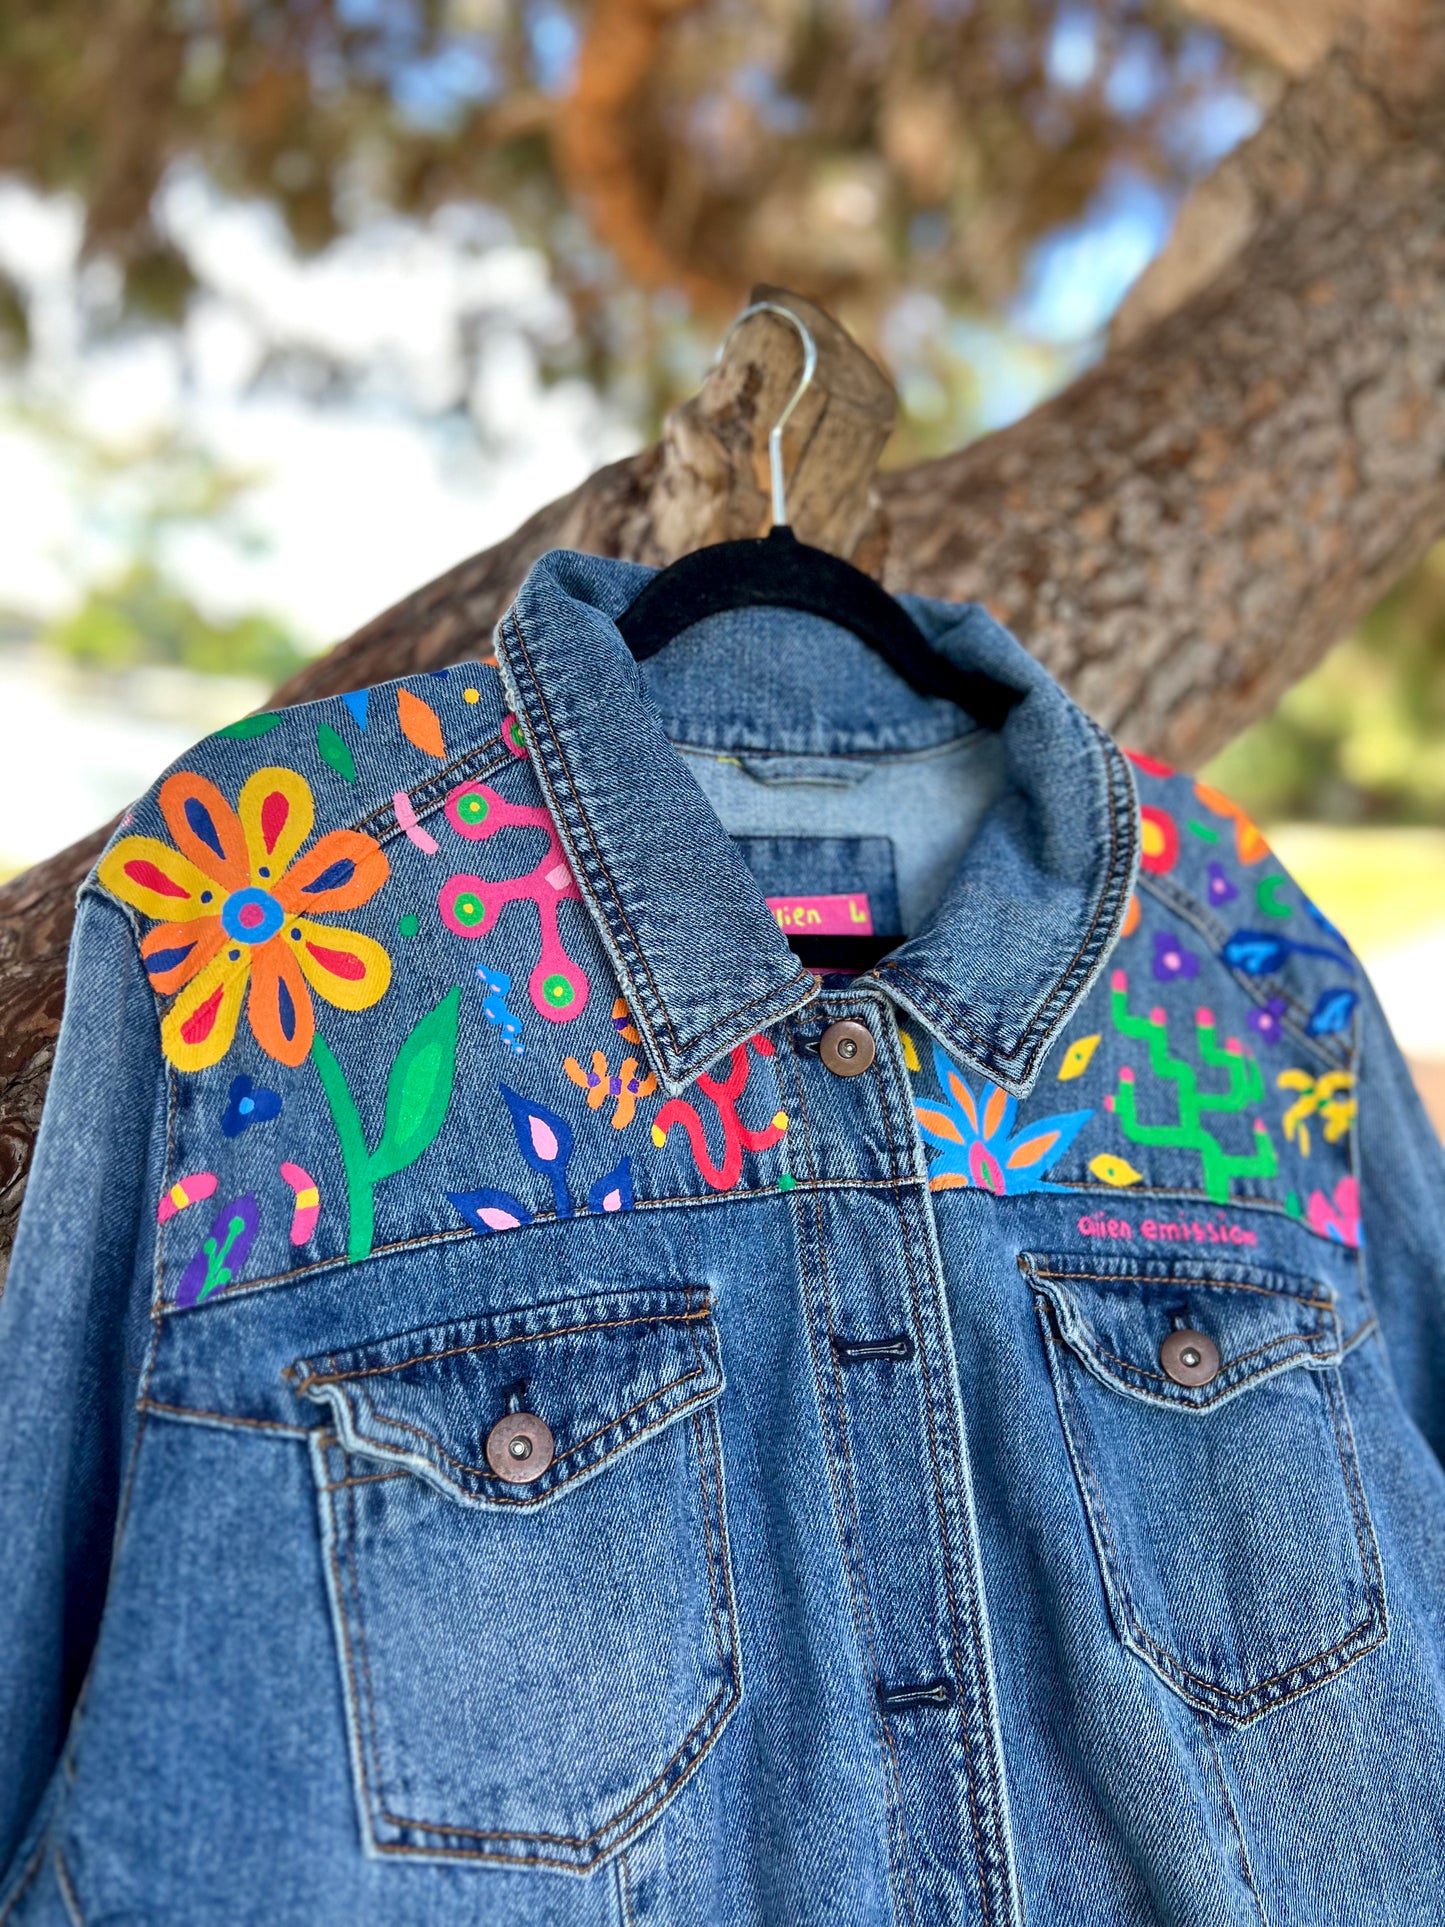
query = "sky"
x=357 y=499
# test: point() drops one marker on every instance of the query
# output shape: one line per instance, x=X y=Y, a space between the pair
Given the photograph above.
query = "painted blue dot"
x=263 y=873
x=233 y=955
x=295 y=936
x=251 y=915
x=246 y=1106
x=206 y=895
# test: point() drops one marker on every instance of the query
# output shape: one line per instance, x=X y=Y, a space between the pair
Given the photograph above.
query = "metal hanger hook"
x=775 y=435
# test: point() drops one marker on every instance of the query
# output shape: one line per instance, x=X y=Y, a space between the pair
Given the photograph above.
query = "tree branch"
x=1392 y=48
x=598 y=151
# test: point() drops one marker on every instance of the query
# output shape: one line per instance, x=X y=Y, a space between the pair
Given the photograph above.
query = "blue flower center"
x=251 y=916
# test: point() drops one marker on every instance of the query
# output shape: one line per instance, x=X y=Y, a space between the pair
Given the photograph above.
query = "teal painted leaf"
x=250 y=726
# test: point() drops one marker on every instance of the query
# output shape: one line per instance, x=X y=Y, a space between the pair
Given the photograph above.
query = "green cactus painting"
x=1244 y=1088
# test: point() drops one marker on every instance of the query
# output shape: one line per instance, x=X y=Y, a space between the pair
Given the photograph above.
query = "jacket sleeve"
x=74 y=1328
x=1402 y=1217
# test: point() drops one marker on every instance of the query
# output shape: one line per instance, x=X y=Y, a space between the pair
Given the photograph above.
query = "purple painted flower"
x=1267 y=1020
x=1221 y=890
x=1172 y=959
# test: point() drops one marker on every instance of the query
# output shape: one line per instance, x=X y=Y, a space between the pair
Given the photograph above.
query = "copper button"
x=520 y=1447
x=1189 y=1357
x=847 y=1048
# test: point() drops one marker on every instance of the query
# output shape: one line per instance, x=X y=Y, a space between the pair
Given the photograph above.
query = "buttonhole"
x=857 y=1351
x=904 y=1699
x=513 y=1395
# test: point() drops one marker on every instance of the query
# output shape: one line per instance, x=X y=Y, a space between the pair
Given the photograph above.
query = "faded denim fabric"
x=436 y=1056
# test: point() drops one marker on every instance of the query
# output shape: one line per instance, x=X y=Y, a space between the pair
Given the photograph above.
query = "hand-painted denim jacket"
x=523 y=1402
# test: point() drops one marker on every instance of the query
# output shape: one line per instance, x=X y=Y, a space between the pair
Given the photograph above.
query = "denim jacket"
x=524 y=1403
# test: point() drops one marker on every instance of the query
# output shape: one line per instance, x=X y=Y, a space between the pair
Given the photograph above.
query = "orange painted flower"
x=235 y=904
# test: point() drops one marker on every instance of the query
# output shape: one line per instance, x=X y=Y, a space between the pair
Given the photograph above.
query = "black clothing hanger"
x=779 y=571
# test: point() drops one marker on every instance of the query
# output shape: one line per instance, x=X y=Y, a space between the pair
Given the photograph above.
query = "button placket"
x=894 y=1431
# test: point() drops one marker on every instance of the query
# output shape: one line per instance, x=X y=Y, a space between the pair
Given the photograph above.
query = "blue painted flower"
x=613 y=1190
x=246 y=1105
x=973 y=1135
x=488 y=1210
x=545 y=1141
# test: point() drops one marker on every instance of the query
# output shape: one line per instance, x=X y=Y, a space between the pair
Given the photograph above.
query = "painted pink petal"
x=496 y=1220
x=544 y=1140
x=406 y=817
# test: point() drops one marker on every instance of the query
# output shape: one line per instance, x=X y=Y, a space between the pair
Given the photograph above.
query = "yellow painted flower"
x=1331 y=1098
x=236 y=905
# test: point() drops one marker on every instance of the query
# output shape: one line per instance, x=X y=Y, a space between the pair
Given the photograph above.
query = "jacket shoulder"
x=1204 y=1088
x=1207 y=874
x=235 y=864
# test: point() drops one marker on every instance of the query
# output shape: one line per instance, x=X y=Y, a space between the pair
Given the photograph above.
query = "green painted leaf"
x=419 y=1088
x=332 y=749
x=250 y=726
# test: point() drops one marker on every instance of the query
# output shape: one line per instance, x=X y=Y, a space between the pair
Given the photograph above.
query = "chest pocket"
x=532 y=1667
x=1226 y=1511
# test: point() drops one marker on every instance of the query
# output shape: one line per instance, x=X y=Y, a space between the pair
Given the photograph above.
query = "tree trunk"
x=1178 y=536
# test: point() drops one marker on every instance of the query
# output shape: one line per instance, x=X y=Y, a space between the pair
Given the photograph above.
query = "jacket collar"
x=1018 y=937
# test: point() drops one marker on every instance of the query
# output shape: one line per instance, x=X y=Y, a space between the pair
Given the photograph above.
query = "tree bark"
x=1178 y=536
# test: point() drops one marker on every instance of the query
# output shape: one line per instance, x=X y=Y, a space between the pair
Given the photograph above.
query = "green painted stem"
x=354 y=1155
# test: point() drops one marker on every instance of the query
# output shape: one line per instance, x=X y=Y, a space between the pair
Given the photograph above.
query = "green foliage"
x=333 y=750
x=419 y=1089
x=850 y=152
x=142 y=617
x=218 y=1272
x=1362 y=739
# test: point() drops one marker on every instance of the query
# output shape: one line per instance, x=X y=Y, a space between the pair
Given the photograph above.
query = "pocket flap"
x=1115 y=1314
x=602 y=1372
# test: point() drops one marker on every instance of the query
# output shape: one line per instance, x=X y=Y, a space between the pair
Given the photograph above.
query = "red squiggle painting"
x=724 y=1093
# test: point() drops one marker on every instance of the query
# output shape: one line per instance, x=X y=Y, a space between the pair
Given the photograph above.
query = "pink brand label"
x=824 y=916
